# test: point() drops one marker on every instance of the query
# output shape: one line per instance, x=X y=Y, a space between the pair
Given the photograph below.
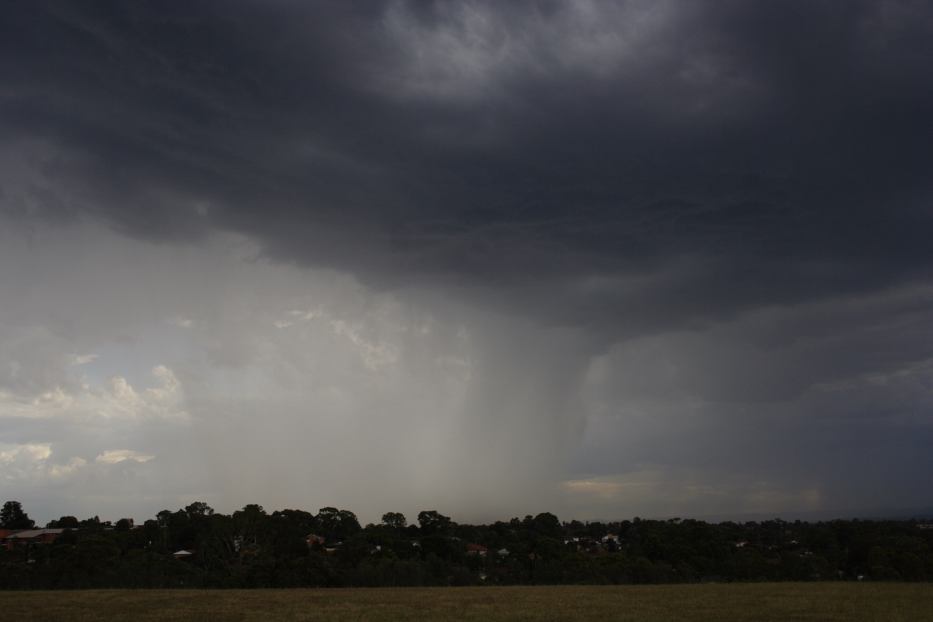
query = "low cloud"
x=117 y=400
x=663 y=492
x=113 y=456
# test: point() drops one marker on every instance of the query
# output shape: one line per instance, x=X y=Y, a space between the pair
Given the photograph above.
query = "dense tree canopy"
x=12 y=516
x=197 y=547
x=395 y=520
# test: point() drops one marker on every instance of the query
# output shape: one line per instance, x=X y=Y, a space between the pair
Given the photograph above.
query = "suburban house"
x=476 y=549
x=11 y=538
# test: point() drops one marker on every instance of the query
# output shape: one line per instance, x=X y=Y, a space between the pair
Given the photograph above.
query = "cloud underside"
x=601 y=258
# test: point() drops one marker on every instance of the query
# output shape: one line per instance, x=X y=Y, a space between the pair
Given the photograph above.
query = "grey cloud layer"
x=688 y=242
x=476 y=140
x=208 y=373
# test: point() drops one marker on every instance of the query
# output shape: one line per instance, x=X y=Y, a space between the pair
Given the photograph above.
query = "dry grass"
x=777 y=601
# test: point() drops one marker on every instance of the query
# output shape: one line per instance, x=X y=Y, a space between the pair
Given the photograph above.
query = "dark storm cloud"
x=783 y=147
x=672 y=257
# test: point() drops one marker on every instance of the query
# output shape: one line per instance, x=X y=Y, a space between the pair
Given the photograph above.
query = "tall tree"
x=337 y=525
x=12 y=516
x=395 y=520
x=65 y=522
x=433 y=522
x=198 y=508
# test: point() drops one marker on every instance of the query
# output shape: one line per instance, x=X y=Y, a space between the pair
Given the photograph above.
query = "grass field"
x=776 y=601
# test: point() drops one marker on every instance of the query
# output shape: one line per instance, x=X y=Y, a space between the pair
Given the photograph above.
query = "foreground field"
x=776 y=601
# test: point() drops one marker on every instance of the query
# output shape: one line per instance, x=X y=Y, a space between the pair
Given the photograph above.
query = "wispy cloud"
x=113 y=456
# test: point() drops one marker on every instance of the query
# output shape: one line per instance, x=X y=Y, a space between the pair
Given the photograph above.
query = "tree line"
x=198 y=547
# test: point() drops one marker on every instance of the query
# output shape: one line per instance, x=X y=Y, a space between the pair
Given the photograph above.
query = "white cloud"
x=84 y=359
x=307 y=315
x=181 y=321
x=68 y=469
x=298 y=315
x=114 y=456
x=24 y=453
x=33 y=463
x=375 y=354
x=118 y=400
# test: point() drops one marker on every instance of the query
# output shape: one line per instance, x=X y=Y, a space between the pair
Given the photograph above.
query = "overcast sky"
x=603 y=259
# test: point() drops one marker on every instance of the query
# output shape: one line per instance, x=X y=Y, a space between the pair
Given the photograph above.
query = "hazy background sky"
x=603 y=259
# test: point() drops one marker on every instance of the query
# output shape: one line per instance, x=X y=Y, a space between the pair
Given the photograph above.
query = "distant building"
x=11 y=538
x=476 y=549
